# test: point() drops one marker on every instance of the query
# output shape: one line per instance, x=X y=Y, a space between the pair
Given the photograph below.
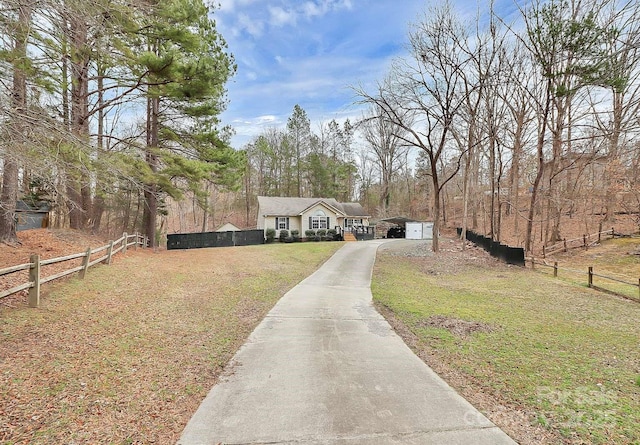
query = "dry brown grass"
x=127 y=355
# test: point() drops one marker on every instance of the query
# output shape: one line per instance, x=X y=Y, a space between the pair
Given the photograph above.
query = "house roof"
x=398 y=220
x=281 y=206
x=33 y=207
x=228 y=227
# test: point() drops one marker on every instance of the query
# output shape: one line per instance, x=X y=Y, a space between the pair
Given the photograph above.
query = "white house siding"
x=269 y=222
x=334 y=219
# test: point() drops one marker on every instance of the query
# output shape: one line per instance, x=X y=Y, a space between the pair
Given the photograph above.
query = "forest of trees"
x=111 y=106
x=507 y=125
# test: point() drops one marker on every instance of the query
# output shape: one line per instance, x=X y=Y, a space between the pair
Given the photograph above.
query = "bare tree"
x=620 y=122
x=424 y=95
x=564 y=39
x=384 y=142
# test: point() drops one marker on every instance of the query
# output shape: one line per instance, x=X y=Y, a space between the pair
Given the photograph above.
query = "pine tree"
x=184 y=63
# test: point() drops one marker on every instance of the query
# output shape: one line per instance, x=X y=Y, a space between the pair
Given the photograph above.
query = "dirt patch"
x=459 y=328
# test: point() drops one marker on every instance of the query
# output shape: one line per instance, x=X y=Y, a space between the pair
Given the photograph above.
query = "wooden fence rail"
x=590 y=274
x=583 y=242
x=35 y=265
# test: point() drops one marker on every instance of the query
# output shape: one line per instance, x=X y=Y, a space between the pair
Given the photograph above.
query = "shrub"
x=310 y=234
x=295 y=234
x=332 y=234
x=284 y=234
x=271 y=235
x=321 y=232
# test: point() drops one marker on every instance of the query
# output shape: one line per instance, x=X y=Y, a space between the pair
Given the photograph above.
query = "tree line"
x=533 y=120
x=109 y=103
x=530 y=117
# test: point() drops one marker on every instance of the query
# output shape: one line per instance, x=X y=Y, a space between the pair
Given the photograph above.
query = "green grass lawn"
x=611 y=259
x=568 y=355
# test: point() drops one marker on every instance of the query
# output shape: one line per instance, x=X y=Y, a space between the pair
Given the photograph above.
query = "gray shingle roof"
x=281 y=206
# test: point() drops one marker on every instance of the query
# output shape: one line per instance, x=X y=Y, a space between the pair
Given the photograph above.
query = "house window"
x=352 y=222
x=319 y=220
x=282 y=223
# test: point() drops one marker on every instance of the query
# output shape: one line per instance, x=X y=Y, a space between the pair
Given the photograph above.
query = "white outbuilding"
x=419 y=230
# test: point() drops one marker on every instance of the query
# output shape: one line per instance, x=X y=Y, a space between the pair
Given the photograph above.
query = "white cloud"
x=252 y=26
x=280 y=17
x=312 y=9
x=267 y=119
x=232 y=5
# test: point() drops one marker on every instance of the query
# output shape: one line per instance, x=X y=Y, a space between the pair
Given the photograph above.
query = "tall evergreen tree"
x=184 y=63
x=18 y=20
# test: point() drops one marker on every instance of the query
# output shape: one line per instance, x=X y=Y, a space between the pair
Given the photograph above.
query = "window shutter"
x=287 y=222
x=310 y=223
x=328 y=222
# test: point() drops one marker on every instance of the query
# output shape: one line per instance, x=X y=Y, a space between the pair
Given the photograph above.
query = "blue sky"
x=307 y=52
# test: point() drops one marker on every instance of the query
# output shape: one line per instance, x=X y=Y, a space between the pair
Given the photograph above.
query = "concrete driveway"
x=325 y=368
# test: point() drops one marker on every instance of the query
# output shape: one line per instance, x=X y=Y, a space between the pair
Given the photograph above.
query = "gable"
x=283 y=206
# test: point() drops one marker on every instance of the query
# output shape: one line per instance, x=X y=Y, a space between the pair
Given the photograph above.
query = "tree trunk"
x=79 y=194
x=612 y=168
x=8 y=199
x=150 y=213
x=10 y=177
x=542 y=127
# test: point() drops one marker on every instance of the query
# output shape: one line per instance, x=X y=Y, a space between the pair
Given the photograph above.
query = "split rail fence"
x=584 y=242
x=35 y=264
x=620 y=288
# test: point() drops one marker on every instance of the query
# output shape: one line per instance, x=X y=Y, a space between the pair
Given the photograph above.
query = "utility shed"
x=419 y=230
x=228 y=227
x=32 y=215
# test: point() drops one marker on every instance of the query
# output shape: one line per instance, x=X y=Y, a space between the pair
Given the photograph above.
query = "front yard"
x=548 y=361
x=127 y=355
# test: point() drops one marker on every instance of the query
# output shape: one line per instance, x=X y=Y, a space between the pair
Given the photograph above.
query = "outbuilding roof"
x=283 y=206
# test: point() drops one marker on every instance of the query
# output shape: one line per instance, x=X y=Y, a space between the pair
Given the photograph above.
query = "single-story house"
x=304 y=214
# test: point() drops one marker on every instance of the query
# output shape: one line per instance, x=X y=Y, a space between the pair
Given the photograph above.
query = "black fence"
x=214 y=239
x=508 y=254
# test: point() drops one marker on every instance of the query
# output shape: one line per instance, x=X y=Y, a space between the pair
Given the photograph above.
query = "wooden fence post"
x=125 y=237
x=109 y=253
x=533 y=262
x=544 y=252
x=135 y=246
x=584 y=241
x=599 y=231
x=85 y=264
x=565 y=244
x=34 y=276
x=555 y=269
x=590 y=276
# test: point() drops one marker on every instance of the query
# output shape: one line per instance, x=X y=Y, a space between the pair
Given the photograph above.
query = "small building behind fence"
x=32 y=215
